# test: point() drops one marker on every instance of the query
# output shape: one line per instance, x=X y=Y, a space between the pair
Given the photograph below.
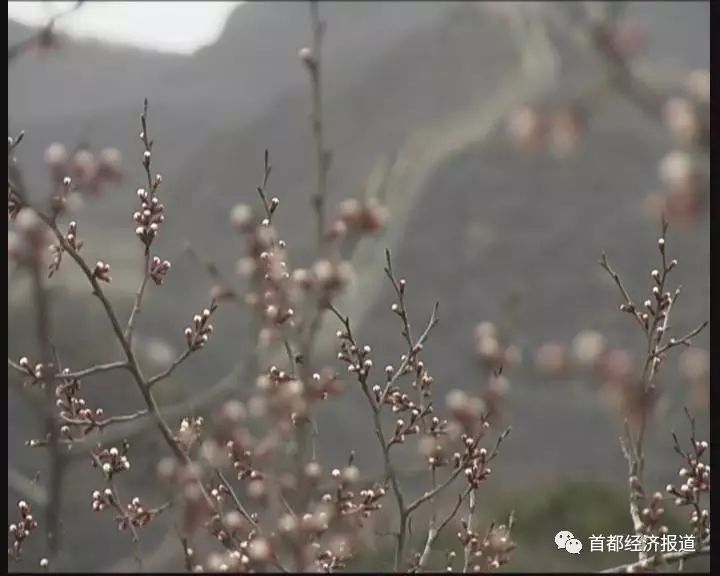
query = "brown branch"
x=399 y=286
x=684 y=340
x=628 y=305
x=268 y=206
x=240 y=508
x=138 y=296
x=15 y=366
x=654 y=323
x=188 y=552
x=471 y=514
x=668 y=558
x=142 y=423
x=390 y=472
x=420 y=342
x=57 y=460
x=97 y=369
x=321 y=154
x=434 y=533
x=152 y=185
x=170 y=369
x=101 y=424
x=404 y=511
x=133 y=365
x=434 y=492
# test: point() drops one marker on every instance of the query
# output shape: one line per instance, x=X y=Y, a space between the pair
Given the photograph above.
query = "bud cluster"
x=334 y=557
x=322 y=537
x=694 y=483
x=136 y=515
x=78 y=420
x=356 y=218
x=159 y=269
x=111 y=461
x=90 y=171
x=279 y=294
x=102 y=271
x=491 y=350
x=289 y=398
x=486 y=552
x=283 y=396
x=469 y=412
x=684 y=181
x=20 y=530
x=229 y=528
x=327 y=279
x=150 y=215
x=56 y=250
x=265 y=265
x=348 y=504
x=532 y=128
x=241 y=458
x=190 y=431
x=234 y=442
x=411 y=426
x=198 y=334
x=652 y=514
x=29 y=239
x=433 y=446
x=35 y=372
x=357 y=358
x=681 y=195
x=103 y=500
x=133 y=515
x=473 y=460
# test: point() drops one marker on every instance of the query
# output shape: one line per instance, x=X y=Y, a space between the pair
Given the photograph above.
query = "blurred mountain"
x=81 y=78
x=97 y=90
x=412 y=93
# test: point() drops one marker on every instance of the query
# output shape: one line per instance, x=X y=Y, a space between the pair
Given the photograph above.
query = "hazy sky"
x=168 y=26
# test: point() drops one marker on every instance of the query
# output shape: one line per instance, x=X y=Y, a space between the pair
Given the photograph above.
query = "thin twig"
x=102 y=424
x=152 y=185
x=434 y=532
x=133 y=365
x=169 y=370
x=139 y=295
x=390 y=471
x=654 y=324
x=27 y=487
x=267 y=205
x=684 y=340
x=96 y=369
x=240 y=508
x=668 y=558
x=420 y=342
